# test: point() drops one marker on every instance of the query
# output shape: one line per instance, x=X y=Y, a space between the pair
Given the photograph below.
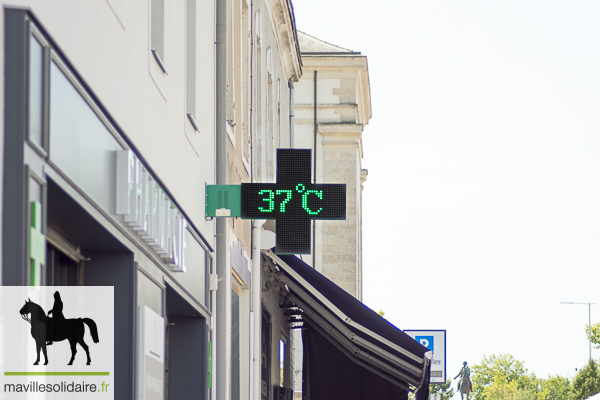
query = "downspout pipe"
x=316 y=131
x=255 y=290
x=255 y=285
x=292 y=114
x=222 y=349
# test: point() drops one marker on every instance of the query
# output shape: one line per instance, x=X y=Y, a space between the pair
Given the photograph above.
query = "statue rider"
x=465 y=378
x=56 y=323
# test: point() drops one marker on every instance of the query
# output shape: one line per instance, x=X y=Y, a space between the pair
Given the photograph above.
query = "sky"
x=481 y=211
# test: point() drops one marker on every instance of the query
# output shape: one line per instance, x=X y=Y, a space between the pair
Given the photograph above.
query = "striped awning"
x=356 y=331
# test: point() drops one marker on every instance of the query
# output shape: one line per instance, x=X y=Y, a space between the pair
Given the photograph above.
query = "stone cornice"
x=337 y=132
x=363 y=176
x=284 y=27
x=333 y=61
x=310 y=106
x=342 y=134
x=356 y=64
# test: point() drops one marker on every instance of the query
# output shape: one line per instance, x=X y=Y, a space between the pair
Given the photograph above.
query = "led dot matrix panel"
x=293 y=201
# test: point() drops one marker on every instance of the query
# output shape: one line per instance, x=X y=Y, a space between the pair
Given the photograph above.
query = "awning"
x=382 y=353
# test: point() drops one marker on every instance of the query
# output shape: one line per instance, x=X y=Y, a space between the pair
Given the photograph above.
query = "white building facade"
x=108 y=142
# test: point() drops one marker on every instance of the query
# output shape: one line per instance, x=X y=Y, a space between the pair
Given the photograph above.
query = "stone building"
x=332 y=107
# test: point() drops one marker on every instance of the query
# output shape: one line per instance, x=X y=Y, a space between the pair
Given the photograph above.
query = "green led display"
x=269 y=197
x=274 y=200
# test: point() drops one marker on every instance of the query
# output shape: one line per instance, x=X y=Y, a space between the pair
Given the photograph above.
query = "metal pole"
x=590 y=328
x=223 y=323
x=589 y=332
x=256 y=309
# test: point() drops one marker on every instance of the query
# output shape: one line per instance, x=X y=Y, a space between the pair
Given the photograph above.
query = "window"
x=190 y=62
x=230 y=112
x=246 y=39
x=270 y=150
x=37 y=242
x=278 y=120
x=157 y=32
x=62 y=270
x=235 y=344
x=265 y=365
x=258 y=132
x=281 y=362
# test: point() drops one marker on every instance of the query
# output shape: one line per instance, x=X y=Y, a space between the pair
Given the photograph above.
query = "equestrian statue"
x=465 y=387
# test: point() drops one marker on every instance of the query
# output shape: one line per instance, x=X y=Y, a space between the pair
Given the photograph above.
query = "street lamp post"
x=590 y=322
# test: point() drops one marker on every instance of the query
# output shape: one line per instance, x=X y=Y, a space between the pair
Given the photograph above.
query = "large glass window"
x=195 y=260
x=36 y=90
x=80 y=143
x=37 y=243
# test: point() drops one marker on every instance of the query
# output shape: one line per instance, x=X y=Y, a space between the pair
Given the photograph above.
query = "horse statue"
x=465 y=387
x=44 y=329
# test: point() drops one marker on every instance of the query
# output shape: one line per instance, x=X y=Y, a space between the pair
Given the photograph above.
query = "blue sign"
x=426 y=338
x=426 y=341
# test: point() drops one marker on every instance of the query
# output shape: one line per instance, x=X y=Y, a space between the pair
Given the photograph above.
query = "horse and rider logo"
x=46 y=330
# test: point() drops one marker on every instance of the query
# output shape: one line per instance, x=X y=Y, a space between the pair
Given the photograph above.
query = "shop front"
x=82 y=207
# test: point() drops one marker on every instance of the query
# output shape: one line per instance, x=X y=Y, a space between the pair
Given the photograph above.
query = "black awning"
x=380 y=351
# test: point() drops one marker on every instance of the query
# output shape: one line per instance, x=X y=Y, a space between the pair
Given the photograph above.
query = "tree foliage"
x=561 y=386
x=595 y=334
x=503 y=390
x=502 y=377
x=587 y=382
x=444 y=389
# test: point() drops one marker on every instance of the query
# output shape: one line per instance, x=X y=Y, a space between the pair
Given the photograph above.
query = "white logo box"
x=21 y=379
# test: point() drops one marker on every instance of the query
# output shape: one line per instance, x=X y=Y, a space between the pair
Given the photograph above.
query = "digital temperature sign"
x=293 y=201
x=300 y=201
